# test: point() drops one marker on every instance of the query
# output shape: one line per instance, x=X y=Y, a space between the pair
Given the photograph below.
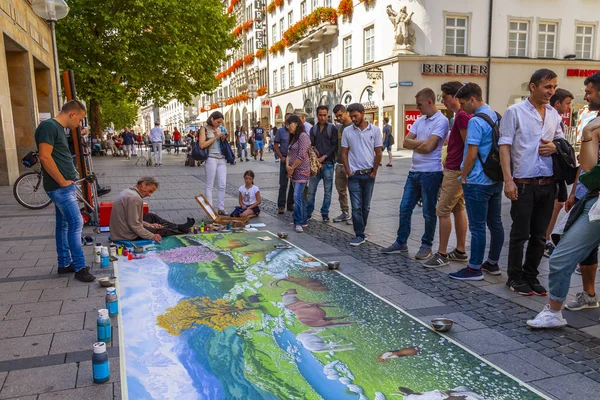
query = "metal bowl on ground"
x=442 y=324
x=107 y=282
x=282 y=235
x=333 y=264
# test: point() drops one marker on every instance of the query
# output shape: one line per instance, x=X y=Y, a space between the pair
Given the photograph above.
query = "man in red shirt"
x=176 y=139
x=451 y=199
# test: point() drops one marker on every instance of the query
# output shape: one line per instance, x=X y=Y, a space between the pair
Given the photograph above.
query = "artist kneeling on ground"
x=128 y=222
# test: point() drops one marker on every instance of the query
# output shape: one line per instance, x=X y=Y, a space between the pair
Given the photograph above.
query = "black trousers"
x=284 y=182
x=531 y=214
x=169 y=228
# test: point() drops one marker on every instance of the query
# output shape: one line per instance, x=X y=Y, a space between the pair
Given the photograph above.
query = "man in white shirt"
x=157 y=138
x=426 y=139
x=526 y=134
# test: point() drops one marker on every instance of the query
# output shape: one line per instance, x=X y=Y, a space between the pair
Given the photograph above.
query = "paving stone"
x=381 y=289
x=570 y=387
x=370 y=277
x=40 y=380
x=80 y=340
x=15 y=328
x=516 y=366
x=487 y=341
x=3 y=311
x=23 y=272
x=24 y=347
x=3 y=376
x=97 y=392
x=414 y=301
x=8 y=287
x=117 y=391
x=54 y=283
x=29 y=296
x=56 y=323
x=72 y=306
x=64 y=293
x=31 y=310
x=85 y=378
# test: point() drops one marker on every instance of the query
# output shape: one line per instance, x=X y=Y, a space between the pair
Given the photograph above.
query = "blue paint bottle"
x=112 y=303
x=100 y=364
x=104 y=258
x=104 y=327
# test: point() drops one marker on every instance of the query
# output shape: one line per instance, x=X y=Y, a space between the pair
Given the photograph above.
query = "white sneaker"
x=547 y=319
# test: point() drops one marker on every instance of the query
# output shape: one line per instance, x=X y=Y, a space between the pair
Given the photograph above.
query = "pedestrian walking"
x=168 y=139
x=176 y=139
x=128 y=142
x=341 y=179
x=388 y=139
x=258 y=133
x=426 y=138
x=210 y=137
x=324 y=140
x=280 y=146
x=243 y=143
x=58 y=182
x=157 y=137
x=483 y=195
x=526 y=134
x=361 y=155
x=298 y=168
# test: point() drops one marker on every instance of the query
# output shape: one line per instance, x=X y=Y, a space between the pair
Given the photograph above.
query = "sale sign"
x=410 y=116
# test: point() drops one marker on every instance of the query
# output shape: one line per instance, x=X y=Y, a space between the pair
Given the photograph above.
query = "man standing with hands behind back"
x=526 y=134
x=59 y=175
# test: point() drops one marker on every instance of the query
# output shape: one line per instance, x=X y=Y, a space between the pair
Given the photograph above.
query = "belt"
x=535 y=181
x=364 y=171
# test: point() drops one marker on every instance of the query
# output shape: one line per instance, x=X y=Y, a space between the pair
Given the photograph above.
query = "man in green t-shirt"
x=59 y=174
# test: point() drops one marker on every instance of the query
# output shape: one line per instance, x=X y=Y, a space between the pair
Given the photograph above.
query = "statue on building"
x=404 y=32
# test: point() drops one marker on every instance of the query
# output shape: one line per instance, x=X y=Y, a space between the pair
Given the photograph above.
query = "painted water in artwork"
x=231 y=316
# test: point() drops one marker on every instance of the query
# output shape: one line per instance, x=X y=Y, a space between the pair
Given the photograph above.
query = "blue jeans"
x=326 y=173
x=299 y=203
x=484 y=205
x=360 y=187
x=69 y=225
x=574 y=246
x=244 y=147
x=419 y=185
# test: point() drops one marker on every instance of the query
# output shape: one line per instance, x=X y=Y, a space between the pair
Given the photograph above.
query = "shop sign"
x=266 y=103
x=259 y=25
x=410 y=116
x=454 y=69
x=405 y=83
x=369 y=105
x=581 y=73
x=327 y=86
x=566 y=118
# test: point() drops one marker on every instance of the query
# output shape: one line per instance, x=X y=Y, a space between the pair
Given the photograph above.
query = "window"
x=315 y=66
x=281 y=28
x=328 y=63
x=369 y=44
x=304 y=71
x=584 y=41
x=290 y=19
x=314 y=4
x=292 y=74
x=250 y=46
x=282 y=77
x=456 y=35
x=291 y=68
x=546 y=40
x=275 y=81
x=274 y=33
x=303 y=9
x=249 y=12
x=347 y=52
x=517 y=38
x=327 y=3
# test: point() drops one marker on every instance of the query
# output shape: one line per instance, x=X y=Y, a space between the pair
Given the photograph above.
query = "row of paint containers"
x=100 y=361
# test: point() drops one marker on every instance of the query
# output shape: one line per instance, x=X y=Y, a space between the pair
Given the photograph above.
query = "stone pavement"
x=47 y=323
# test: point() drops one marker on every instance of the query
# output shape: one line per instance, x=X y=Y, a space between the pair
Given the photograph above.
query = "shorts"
x=259 y=144
x=237 y=211
x=451 y=194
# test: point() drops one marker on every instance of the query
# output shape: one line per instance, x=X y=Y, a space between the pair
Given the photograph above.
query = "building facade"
x=27 y=83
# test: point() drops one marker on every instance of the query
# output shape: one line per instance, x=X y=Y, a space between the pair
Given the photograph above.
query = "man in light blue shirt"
x=483 y=196
x=157 y=137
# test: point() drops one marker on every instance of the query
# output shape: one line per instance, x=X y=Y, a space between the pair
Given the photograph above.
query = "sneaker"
x=349 y=222
x=582 y=300
x=454 y=255
x=325 y=217
x=437 y=260
x=492 y=269
x=84 y=275
x=549 y=249
x=420 y=203
x=547 y=319
x=424 y=253
x=357 y=241
x=578 y=270
x=280 y=211
x=342 y=217
x=299 y=229
x=537 y=289
x=247 y=159
x=103 y=190
x=467 y=274
x=388 y=165
x=519 y=287
x=396 y=248
x=66 y=270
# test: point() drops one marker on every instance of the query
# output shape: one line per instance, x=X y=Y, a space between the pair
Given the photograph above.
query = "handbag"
x=198 y=153
x=315 y=164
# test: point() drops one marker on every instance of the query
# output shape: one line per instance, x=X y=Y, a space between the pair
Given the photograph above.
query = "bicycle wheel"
x=29 y=192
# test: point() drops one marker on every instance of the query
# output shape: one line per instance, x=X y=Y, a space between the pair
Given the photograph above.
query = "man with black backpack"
x=526 y=134
x=482 y=185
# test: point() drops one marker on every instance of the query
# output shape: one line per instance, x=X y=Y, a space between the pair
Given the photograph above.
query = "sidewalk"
x=48 y=322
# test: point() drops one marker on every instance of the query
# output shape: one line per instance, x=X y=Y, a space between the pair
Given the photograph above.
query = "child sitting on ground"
x=249 y=198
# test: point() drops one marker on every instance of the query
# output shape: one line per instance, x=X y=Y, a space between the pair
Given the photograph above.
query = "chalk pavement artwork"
x=231 y=316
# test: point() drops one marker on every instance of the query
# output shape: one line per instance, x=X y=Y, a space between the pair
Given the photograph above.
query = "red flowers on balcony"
x=300 y=28
x=346 y=9
x=261 y=53
x=232 y=6
x=261 y=91
x=248 y=59
x=273 y=5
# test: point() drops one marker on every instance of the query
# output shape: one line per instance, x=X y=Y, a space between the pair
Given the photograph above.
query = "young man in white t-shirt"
x=426 y=139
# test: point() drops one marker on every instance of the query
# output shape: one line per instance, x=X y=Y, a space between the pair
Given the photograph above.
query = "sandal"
x=222 y=212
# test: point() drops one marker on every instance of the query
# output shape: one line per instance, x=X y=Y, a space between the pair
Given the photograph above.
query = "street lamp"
x=52 y=11
x=252 y=88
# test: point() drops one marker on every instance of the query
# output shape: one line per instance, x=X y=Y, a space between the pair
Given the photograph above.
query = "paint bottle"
x=202 y=226
x=100 y=364
x=112 y=250
x=104 y=258
x=103 y=326
x=120 y=250
x=125 y=252
x=129 y=256
x=112 y=303
x=97 y=251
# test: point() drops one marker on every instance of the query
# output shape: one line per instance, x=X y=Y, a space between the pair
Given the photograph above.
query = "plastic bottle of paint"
x=104 y=327
x=100 y=364
x=112 y=250
x=202 y=226
x=112 y=303
x=129 y=256
x=120 y=250
x=104 y=258
x=97 y=251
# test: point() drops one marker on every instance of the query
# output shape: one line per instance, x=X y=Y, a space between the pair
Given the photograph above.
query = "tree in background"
x=143 y=50
x=118 y=114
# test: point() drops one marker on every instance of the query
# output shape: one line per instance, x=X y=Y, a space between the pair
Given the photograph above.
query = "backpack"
x=491 y=166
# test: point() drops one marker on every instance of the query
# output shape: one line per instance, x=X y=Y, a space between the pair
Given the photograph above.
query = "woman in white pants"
x=210 y=136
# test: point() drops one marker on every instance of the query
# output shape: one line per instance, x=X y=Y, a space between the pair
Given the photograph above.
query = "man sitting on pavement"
x=127 y=221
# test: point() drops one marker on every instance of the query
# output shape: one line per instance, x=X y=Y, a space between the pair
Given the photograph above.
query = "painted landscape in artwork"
x=231 y=316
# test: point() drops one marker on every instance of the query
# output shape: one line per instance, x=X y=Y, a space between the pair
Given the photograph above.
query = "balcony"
x=322 y=33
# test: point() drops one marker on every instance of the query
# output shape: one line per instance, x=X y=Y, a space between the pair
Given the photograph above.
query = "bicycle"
x=28 y=189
